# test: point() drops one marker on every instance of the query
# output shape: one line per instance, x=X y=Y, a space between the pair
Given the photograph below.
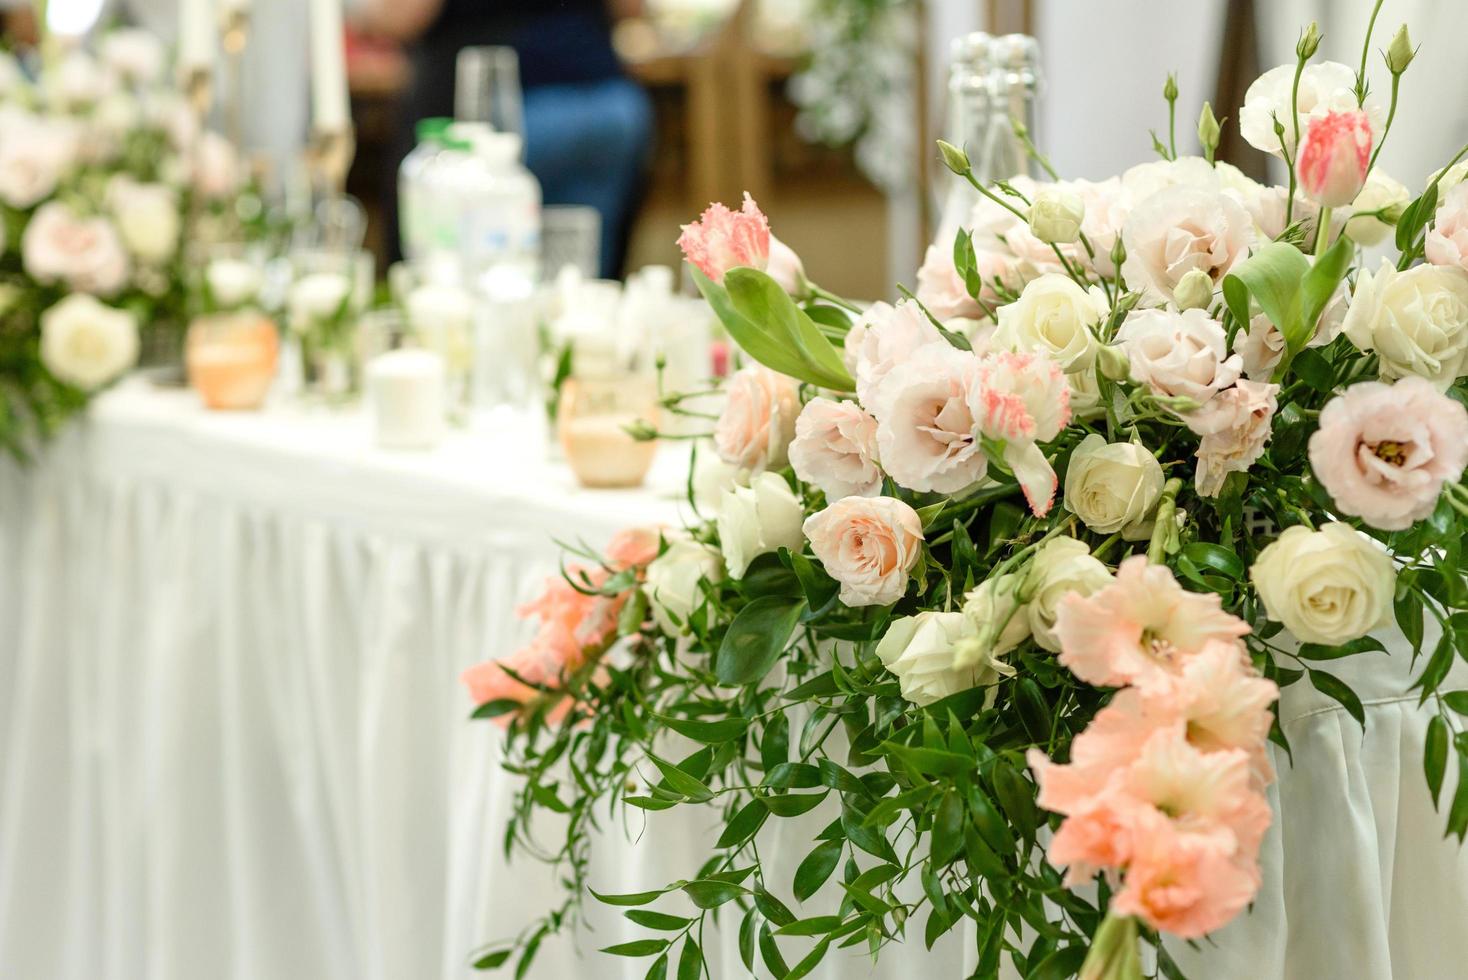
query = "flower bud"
x=1112 y=363
x=1194 y=290
x=1169 y=88
x=1399 y=53
x=640 y=430
x=953 y=158
x=1209 y=131
x=1056 y=215
x=1181 y=404
x=1118 y=253
x=1334 y=157
x=1309 y=42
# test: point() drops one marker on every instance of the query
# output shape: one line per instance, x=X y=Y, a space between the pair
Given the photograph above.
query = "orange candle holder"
x=590 y=423
x=232 y=358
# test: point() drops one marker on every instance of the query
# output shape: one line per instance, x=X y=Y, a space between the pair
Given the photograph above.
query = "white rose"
x=34 y=155
x=758 y=519
x=671 y=585
x=1085 y=394
x=1416 y=321
x=74 y=82
x=1113 y=486
x=1179 y=353
x=1054 y=316
x=1329 y=586
x=1180 y=229
x=1056 y=213
x=147 y=217
x=999 y=623
x=920 y=650
x=1326 y=87
x=86 y=343
x=315 y=297
x=711 y=477
x=1449 y=178
x=134 y=54
x=1381 y=198
x=233 y=282
x=85 y=254
x=1062 y=566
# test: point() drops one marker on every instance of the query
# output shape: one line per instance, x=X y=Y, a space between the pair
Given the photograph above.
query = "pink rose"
x=1180 y=229
x=1383 y=452
x=1447 y=239
x=722 y=240
x=1235 y=425
x=869 y=545
x=882 y=338
x=941 y=289
x=758 y=420
x=835 y=448
x=84 y=253
x=926 y=433
x=1335 y=155
x=34 y=155
x=219 y=172
x=1179 y=353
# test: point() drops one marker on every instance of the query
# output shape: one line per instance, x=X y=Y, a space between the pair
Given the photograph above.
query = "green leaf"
x=1319 y=651
x=1408 y=610
x=657 y=920
x=745 y=824
x=1435 y=756
x=793 y=804
x=793 y=775
x=757 y=340
x=649 y=802
x=1437 y=667
x=658 y=970
x=690 y=961
x=1415 y=217
x=1314 y=370
x=936 y=762
x=640 y=947
x=816 y=868
x=1033 y=711
x=632 y=898
x=756 y=638
x=709 y=893
x=816 y=926
x=1457 y=700
x=772 y=908
x=770 y=952
x=1458 y=815
x=1272 y=277
x=947 y=829
x=1217 y=557
x=708 y=732
x=681 y=782
x=748 y=927
x=1333 y=687
x=1316 y=289
x=496 y=708
x=494 y=960
x=1062 y=964
x=765 y=322
x=810 y=961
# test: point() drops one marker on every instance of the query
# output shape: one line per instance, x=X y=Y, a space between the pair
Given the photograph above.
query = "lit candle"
x=198 y=30
x=330 y=112
x=405 y=393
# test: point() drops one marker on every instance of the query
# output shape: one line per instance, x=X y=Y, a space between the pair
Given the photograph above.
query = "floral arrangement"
x=999 y=584
x=105 y=173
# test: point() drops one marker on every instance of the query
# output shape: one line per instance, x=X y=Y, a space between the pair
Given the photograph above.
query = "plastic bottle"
x=414 y=218
x=498 y=207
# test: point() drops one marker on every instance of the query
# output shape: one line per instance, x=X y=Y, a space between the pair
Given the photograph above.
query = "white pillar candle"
x=330 y=109
x=405 y=394
x=198 y=32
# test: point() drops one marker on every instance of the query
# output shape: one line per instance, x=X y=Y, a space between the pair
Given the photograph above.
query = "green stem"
x=1366 y=49
x=816 y=292
x=1164 y=524
x=1322 y=229
x=1295 y=124
x=1390 y=115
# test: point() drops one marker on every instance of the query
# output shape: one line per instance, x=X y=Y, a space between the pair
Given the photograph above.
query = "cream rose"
x=1328 y=86
x=1056 y=213
x=835 y=448
x=758 y=519
x=882 y=338
x=1178 y=353
x=1377 y=208
x=997 y=616
x=1180 y=229
x=672 y=581
x=1330 y=586
x=920 y=650
x=1061 y=567
x=84 y=253
x=1447 y=239
x=147 y=217
x=711 y=477
x=1416 y=321
x=86 y=343
x=1113 y=487
x=1054 y=316
x=758 y=421
x=869 y=545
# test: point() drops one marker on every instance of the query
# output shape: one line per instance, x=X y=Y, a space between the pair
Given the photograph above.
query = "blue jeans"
x=588 y=144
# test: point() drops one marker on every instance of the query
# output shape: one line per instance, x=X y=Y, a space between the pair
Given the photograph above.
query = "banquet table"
x=233 y=743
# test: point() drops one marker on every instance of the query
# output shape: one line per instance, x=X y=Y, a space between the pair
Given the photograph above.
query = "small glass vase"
x=591 y=425
x=231 y=359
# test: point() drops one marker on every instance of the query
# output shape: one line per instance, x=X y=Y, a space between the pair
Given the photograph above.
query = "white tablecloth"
x=233 y=744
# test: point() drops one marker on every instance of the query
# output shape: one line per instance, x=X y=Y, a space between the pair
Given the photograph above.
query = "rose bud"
x=1056 y=215
x=1334 y=158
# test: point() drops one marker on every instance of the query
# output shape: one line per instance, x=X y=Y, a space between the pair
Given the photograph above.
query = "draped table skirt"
x=233 y=744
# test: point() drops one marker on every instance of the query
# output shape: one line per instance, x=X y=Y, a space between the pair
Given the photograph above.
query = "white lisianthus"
x=233 y=282
x=1328 y=86
x=1329 y=586
x=671 y=584
x=87 y=343
x=920 y=652
x=1056 y=214
x=1054 y=316
x=147 y=217
x=1377 y=208
x=1113 y=487
x=1061 y=567
x=1416 y=321
x=35 y=154
x=758 y=519
x=996 y=614
x=76 y=81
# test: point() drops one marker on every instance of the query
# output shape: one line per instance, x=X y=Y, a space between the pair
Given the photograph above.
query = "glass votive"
x=594 y=412
x=329 y=291
x=231 y=359
x=234 y=275
x=440 y=314
x=405 y=398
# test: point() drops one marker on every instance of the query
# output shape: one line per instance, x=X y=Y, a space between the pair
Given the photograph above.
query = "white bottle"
x=499 y=215
x=415 y=204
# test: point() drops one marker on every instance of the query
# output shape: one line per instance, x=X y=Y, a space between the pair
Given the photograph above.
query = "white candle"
x=198 y=30
x=330 y=111
x=405 y=393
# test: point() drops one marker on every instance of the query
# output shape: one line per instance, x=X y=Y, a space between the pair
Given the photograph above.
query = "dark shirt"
x=558 y=41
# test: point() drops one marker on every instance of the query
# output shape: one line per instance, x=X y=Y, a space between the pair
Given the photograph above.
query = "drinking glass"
x=487 y=88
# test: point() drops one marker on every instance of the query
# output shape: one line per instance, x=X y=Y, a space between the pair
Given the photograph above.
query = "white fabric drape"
x=233 y=744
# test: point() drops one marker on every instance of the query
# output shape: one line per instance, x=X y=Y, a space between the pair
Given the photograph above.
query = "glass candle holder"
x=329 y=291
x=591 y=424
x=231 y=359
x=440 y=314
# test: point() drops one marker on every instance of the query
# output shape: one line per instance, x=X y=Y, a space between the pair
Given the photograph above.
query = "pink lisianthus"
x=1235 y=425
x=1335 y=156
x=880 y=341
x=758 y=422
x=927 y=433
x=942 y=290
x=1141 y=629
x=1022 y=399
x=835 y=448
x=723 y=239
x=1383 y=452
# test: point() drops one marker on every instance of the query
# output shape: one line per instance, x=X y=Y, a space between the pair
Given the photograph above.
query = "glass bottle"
x=1014 y=88
x=966 y=126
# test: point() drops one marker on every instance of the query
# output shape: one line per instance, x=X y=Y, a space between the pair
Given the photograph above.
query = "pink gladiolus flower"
x=1182 y=883
x=1334 y=157
x=1385 y=451
x=633 y=548
x=1022 y=399
x=1141 y=629
x=722 y=240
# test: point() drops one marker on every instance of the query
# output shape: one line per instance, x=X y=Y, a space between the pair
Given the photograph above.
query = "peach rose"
x=882 y=338
x=1180 y=229
x=633 y=547
x=869 y=545
x=85 y=254
x=1383 y=452
x=1447 y=239
x=835 y=448
x=723 y=239
x=758 y=421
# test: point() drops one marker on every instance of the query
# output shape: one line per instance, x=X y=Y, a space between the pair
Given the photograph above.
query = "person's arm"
x=401 y=20
x=625 y=9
